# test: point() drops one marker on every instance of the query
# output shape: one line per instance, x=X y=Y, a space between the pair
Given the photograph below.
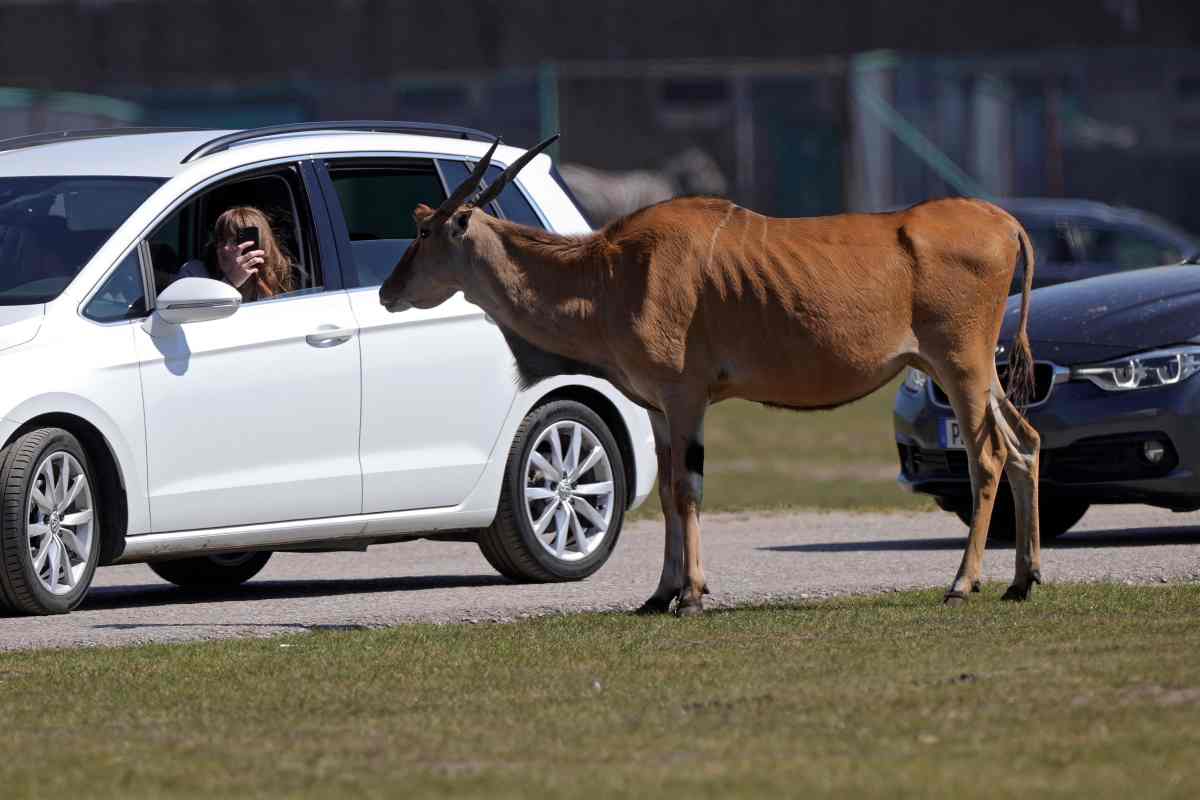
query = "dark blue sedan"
x=1117 y=401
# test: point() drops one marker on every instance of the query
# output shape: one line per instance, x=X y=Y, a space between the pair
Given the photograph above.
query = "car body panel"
x=477 y=510
x=427 y=433
x=88 y=370
x=253 y=379
x=1111 y=316
x=20 y=324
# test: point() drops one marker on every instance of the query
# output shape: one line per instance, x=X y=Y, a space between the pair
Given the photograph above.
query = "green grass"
x=1088 y=691
x=768 y=459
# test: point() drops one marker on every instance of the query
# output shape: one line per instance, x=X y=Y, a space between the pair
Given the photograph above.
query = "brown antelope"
x=696 y=300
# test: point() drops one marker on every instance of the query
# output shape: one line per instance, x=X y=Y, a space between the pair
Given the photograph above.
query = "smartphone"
x=248 y=235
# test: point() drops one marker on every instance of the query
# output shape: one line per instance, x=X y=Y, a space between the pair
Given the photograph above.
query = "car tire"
x=49 y=523
x=1055 y=517
x=589 y=521
x=211 y=572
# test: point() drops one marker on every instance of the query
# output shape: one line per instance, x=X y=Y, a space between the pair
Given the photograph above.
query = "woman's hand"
x=239 y=264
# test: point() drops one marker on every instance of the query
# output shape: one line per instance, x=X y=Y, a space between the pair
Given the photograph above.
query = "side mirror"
x=194 y=300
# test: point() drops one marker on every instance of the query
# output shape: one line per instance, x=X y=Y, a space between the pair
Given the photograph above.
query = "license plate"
x=951 y=438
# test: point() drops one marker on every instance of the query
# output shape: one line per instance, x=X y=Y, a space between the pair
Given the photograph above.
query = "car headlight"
x=915 y=380
x=1143 y=371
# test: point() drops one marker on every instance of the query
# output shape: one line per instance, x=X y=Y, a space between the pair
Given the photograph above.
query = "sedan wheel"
x=563 y=498
x=1056 y=516
x=218 y=571
x=49 y=528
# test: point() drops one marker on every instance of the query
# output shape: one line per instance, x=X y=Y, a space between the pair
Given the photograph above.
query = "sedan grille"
x=1044 y=374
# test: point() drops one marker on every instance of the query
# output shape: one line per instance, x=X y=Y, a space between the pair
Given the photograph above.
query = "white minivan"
x=146 y=417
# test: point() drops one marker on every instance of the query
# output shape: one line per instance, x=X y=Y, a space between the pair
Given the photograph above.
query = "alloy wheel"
x=569 y=490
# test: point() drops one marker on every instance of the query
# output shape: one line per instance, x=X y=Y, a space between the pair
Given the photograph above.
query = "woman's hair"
x=274 y=277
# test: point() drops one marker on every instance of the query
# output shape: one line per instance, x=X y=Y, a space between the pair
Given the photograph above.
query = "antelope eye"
x=423 y=233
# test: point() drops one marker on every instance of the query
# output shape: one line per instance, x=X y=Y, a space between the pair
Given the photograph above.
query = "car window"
x=1125 y=248
x=122 y=296
x=50 y=227
x=512 y=202
x=1051 y=244
x=377 y=200
x=183 y=246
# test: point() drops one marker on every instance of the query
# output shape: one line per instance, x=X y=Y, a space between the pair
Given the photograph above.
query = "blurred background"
x=788 y=108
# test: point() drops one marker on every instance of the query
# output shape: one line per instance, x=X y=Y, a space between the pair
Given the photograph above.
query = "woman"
x=257 y=274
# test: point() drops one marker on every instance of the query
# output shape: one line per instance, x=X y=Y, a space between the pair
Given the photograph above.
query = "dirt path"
x=748 y=557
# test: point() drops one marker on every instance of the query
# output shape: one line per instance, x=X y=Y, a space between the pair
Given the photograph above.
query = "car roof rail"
x=52 y=137
x=225 y=141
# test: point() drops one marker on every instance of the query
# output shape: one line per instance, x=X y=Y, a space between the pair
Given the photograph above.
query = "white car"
x=147 y=418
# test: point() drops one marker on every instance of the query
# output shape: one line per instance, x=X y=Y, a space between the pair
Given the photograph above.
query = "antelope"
x=695 y=300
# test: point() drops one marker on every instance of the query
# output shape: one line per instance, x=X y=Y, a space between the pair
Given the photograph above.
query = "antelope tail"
x=1020 y=361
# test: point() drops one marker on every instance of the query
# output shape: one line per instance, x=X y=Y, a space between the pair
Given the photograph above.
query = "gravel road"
x=748 y=557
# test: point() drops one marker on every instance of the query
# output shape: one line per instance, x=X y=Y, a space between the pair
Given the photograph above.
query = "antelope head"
x=450 y=240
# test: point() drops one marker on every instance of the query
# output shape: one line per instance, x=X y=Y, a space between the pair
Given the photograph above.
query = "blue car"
x=1117 y=401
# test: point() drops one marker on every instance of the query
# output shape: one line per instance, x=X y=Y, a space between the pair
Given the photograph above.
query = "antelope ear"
x=421 y=213
x=459 y=223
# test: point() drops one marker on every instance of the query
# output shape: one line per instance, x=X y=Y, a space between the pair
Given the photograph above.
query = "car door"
x=437 y=383
x=255 y=418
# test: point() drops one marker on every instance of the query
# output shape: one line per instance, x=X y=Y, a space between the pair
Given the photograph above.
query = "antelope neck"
x=545 y=289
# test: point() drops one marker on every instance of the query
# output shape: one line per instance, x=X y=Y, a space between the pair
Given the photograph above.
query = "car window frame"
x=327 y=250
x=199 y=201
x=298 y=230
x=159 y=183
x=516 y=184
x=337 y=217
x=1134 y=231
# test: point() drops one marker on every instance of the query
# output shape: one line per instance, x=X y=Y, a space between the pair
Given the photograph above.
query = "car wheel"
x=1056 y=516
x=49 y=523
x=218 y=571
x=563 y=497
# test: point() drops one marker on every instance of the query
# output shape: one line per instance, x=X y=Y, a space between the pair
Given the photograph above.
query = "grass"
x=1089 y=691
x=768 y=459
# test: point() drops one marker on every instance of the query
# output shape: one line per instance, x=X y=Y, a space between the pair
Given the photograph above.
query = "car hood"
x=1110 y=316
x=19 y=324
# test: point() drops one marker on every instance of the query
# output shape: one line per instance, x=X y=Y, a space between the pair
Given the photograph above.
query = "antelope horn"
x=495 y=187
x=466 y=188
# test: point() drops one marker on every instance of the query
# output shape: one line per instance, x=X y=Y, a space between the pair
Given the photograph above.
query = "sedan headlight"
x=915 y=380
x=1143 y=371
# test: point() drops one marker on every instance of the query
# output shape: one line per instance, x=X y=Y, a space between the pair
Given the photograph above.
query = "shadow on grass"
x=299 y=626
x=1134 y=537
x=145 y=596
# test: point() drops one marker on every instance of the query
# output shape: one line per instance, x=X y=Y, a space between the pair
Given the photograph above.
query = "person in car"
x=259 y=273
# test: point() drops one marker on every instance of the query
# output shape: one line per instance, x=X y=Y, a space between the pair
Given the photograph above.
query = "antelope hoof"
x=975 y=586
x=690 y=603
x=655 y=605
x=954 y=598
x=1017 y=593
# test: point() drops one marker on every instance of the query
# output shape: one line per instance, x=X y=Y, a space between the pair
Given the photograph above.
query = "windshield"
x=50 y=227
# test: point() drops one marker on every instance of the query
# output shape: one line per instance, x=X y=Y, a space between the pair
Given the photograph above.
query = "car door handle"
x=329 y=336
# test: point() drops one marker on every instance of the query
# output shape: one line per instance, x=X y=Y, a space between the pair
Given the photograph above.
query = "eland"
x=695 y=300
